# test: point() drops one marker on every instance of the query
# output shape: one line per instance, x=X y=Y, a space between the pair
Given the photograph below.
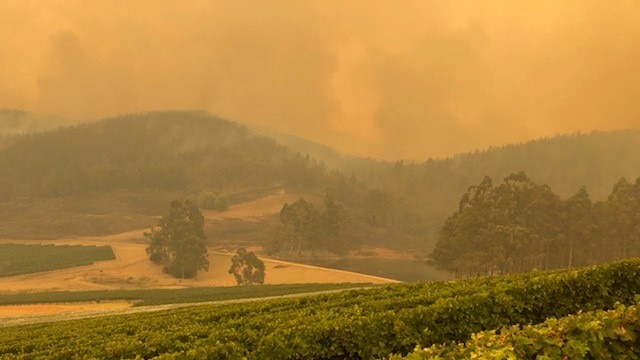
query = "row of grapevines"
x=599 y=334
x=17 y=259
x=360 y=324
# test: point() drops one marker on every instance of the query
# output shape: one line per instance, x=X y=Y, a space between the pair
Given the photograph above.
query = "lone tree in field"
x=178 y=242
x=247 y=268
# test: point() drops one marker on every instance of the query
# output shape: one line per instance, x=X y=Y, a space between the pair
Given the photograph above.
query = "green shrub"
x=207 y=200
x=222 y=203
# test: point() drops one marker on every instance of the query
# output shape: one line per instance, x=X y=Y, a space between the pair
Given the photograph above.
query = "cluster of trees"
x=178 y=242
x=211 y=201
x=519 y=226
x=305 y=229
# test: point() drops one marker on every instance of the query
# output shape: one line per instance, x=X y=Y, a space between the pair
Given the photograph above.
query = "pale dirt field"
x=132 y=270
x=9 y=311
x=44 y=313
x=268 y=205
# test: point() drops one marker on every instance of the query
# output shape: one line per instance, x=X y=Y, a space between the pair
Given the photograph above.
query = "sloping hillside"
x=433 y=188
x=161 y=151
x=177 y=153
x=565 y=162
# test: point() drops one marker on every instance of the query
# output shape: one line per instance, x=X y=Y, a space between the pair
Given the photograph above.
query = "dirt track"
x=89 y=310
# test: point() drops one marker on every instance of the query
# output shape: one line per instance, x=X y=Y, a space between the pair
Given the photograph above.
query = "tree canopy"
x=305 y=229
x=519 y=225
x=247 y=268
x=178 y=242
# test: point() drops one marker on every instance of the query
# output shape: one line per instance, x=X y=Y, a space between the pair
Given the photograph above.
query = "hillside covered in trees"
x=160 y=151
x=566 y=162
x=399 y=204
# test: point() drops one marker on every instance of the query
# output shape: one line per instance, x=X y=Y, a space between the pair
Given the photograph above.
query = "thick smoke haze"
x=388 y=79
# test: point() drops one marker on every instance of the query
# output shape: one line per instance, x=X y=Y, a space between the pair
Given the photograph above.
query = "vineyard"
x=494 y=316
x=18 y=259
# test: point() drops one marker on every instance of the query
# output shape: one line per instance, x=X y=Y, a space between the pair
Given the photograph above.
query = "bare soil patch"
x=116 y=309
x=7 y=311
x=268 y=205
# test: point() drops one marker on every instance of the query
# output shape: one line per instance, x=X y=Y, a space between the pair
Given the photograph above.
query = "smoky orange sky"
x=388 y=79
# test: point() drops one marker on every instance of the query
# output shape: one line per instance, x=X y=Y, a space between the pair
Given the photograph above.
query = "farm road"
x=16 y=320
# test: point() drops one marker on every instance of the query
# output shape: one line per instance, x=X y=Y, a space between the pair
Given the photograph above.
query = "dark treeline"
x=519 y=226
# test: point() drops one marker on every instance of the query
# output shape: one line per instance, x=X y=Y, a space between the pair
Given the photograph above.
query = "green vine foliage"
x=373 y=323
x=596 y=334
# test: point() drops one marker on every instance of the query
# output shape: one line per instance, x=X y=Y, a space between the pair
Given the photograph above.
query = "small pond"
x=403 y=270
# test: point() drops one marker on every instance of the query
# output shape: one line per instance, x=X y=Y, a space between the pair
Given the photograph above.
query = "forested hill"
x=567 y=162
x=192 y=151
x=596 y=160
x=161 y=151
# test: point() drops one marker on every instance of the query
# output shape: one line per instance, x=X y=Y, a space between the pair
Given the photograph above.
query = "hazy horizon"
x=370 y=78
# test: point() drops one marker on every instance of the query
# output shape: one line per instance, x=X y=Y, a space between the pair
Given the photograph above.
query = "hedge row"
x=18 y=259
